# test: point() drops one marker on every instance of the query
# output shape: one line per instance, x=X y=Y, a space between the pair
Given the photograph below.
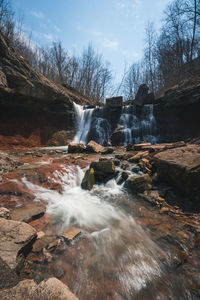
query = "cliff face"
x=34 y=110
x=177 y=114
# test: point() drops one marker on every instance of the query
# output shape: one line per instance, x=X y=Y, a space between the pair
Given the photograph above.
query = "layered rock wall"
x=32 y=105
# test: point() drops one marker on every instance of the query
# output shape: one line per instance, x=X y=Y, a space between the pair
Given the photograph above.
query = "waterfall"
x=136 y=124
x=138 y=127
x=83 y=122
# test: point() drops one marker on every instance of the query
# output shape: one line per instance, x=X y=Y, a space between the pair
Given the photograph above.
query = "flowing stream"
x=115 y=258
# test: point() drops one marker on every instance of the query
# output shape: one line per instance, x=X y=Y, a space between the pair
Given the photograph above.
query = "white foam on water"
x=116 y=240
x=83 y=123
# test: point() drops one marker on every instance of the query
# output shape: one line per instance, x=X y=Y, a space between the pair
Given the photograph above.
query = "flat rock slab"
x=70 y=234
x=181 y=168
x=28 y=212
x=15 y=239
x=51 y=289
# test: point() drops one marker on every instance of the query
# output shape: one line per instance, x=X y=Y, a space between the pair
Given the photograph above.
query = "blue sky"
x=116 y=28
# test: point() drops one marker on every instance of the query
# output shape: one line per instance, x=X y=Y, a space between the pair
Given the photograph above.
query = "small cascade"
x=83 y=123
x=136 y=126
x=115 y=255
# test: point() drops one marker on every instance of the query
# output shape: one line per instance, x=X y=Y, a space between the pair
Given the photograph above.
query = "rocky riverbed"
x=133 y=231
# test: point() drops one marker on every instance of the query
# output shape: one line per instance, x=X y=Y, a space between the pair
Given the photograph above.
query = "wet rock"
x=93 y=147
x=124 y=156
x=124 y=165
x=103 y=170
x=16 y=239
x=28 y=212
x=54 y=245
x=47 y=256
x=76 y=148
x=181 y=168
x=70 y=234
x=50 y=289
x=124 y=175
x=135 y=169
x=145 y=166
x=88 y=180
x=135 y=158
x=4 y=213
x=118 y=137
x=43 y=241
x=139 y=184
x=116 y=162
x=142 y=146
x=108 y=150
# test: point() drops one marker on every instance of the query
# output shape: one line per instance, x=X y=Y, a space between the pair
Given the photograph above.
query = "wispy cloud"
x=48 y=36
x=107 y=43
x=37 y=14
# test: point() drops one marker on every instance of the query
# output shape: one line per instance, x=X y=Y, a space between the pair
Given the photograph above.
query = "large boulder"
x=16 y=239
x=103 y=170
x=76 y=148
x=93 y=147
x=180 y=167
x=139 y=184
x=118 y=136
x=143 y=96
x=88 y=180
x=51 y=289
x=114 y=101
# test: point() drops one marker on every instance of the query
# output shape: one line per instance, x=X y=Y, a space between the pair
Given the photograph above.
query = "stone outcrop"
x=114 y=101
x=143 y=96
x=32 y=108
x=93 y=147
x=100 y=171
x=177 y=113
x=50 y=289
x=76 y=148
x=139 y=184
x=16 y=239
x=180 y=167
x=88 y=180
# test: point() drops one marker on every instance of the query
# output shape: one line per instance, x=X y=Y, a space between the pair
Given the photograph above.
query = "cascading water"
x=138 y=128
x=134 y=127
x=115 y=259
x=83 y=122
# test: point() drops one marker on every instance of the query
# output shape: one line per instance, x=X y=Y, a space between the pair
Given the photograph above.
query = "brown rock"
x=50 y=289
x=28 y=212
x=181 y=168
x=139 y=184
x=88 y=180
x=93 y=147
x=71 y=233
x=76 y=148
x=15 y=241
x=138 y=156
x=114 y=101
x=103 y=170
x=4 y=213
